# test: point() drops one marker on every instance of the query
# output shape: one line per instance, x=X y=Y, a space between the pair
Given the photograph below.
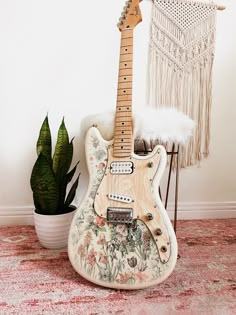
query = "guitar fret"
x=126 y=46
x=125 y=75
x=124 y=98
x=126 y=37
x=123 y=119
x=124 y=88
x=124 y=126
x=120 y=125
x=123 y=145
x=123 y=101
x=125 y=105
x=126 y=82
x=124 y=94
x=120 y=151
x=127 y=113
x=125 y=68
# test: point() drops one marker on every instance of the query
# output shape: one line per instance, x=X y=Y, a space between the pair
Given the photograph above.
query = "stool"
x=165 y=126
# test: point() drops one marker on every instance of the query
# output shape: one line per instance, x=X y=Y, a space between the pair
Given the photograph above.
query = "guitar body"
x=121 y=236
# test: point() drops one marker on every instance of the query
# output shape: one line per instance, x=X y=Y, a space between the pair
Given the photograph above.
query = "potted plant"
x=49 y=182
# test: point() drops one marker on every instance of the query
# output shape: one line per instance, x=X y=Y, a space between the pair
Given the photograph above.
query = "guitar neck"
x=123 y=134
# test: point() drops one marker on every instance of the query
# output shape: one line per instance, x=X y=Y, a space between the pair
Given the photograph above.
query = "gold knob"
x=149 y=216
x=158 y=232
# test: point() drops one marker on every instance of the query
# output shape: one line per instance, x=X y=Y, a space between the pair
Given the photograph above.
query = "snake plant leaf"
x=62 y=157
x=71 y=195
x=44 y=186
x=44 y=142
x=70 y=175
x=62 y=186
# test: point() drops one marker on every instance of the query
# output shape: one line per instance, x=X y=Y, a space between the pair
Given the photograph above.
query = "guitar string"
x=126 y=50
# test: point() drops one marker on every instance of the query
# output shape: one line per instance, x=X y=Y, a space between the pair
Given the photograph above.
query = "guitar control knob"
x=150 y=164
x=149 y=216
x=163 y=249
x=158 y=232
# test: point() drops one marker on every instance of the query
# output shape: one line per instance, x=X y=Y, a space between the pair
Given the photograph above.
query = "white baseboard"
x=203 y=210
x=16 y=215
x=186 y=211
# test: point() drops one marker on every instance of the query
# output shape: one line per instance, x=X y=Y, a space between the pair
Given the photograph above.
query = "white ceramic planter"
x=53 y=230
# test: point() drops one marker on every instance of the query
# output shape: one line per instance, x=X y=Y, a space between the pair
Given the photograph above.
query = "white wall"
x=61 y=58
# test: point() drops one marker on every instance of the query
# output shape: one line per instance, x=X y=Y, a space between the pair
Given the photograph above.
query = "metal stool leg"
x=176 y=189
x=169 y=175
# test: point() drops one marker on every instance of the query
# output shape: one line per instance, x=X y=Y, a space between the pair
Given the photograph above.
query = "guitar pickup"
x=119 y=215
x=121 y=168
x=121 y=198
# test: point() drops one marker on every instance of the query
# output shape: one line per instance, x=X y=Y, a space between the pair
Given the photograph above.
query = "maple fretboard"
x=123 y=134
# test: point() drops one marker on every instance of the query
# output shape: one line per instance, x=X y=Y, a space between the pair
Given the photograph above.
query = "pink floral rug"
x=34 y=280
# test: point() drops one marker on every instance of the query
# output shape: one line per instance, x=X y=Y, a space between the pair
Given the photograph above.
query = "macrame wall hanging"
x=181 y=54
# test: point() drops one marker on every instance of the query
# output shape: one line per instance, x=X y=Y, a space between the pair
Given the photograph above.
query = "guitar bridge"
x=119 y=215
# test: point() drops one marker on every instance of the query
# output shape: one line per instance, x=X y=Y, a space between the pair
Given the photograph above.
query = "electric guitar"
x=121 y=236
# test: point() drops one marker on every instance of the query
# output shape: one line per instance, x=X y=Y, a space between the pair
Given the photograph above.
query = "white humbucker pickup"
x=121 y=198
x=119 y=168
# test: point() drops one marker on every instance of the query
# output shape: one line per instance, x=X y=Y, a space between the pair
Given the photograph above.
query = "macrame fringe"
x=180 y=68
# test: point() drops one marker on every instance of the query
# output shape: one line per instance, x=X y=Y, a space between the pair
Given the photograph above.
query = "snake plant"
x=51 y=174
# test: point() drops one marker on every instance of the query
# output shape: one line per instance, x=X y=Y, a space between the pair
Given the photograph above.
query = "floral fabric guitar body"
x=121 y=236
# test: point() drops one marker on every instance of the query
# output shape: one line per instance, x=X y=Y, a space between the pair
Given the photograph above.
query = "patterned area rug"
x=34 y=280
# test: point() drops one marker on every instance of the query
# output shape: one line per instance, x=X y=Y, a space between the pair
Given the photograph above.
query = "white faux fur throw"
x=163 y=124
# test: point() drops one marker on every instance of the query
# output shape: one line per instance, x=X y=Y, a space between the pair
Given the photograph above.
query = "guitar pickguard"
x=123 y=256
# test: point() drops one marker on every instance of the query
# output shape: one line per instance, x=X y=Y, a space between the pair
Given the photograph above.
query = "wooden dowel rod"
x=221 y=7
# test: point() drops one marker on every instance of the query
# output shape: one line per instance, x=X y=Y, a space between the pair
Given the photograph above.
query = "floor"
x=34 y=280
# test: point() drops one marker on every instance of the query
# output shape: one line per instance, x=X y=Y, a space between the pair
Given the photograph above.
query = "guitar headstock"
x=131 y=15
